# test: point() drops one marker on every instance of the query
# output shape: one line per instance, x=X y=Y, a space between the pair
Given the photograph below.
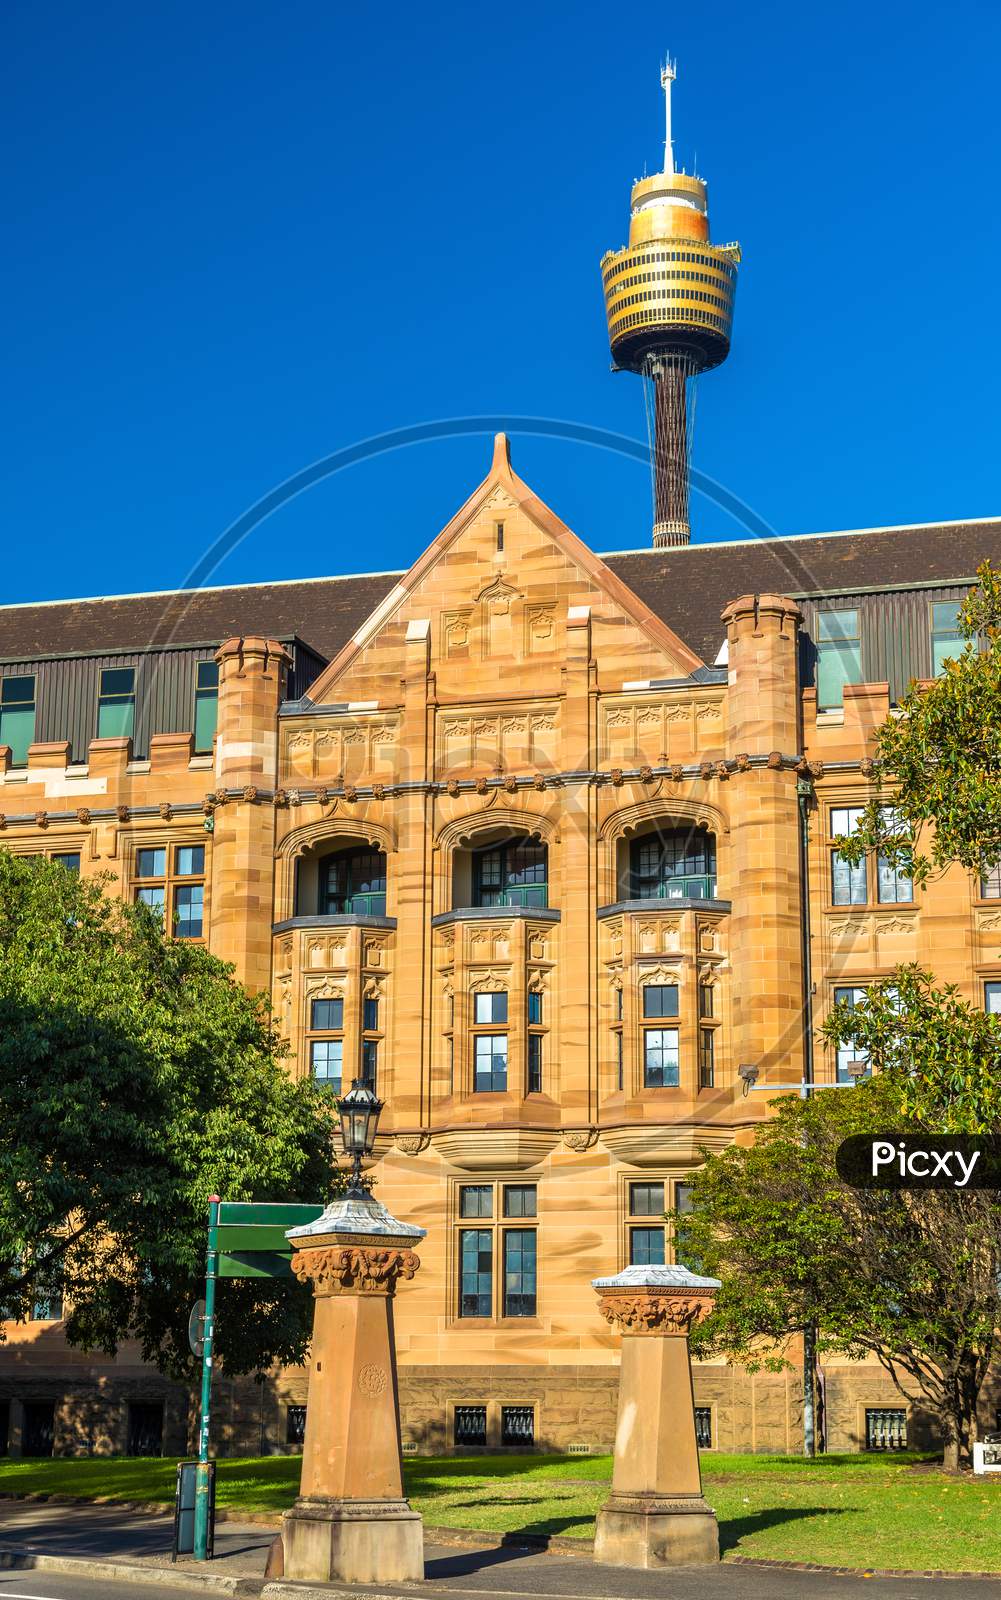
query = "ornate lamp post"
x=656 y=1515
x=351 y=1522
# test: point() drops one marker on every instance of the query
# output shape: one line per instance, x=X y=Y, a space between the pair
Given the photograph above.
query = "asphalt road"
x=59 y=1586
x=452 y=1573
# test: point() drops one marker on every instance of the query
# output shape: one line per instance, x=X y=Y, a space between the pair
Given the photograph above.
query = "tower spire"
x=668 y=73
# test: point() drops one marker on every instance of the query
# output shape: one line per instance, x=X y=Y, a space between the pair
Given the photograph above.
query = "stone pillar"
x=764 y=881
x=252 y=675
x=656 y=1515
x=351 y=1523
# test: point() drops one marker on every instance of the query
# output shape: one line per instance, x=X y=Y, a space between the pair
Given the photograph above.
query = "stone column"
x=351 y=1522
x=656 y=1515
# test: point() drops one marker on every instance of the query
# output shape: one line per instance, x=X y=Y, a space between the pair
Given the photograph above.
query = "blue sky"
x=237 y=239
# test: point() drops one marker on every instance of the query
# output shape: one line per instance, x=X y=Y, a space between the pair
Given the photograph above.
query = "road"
x=453 y=1573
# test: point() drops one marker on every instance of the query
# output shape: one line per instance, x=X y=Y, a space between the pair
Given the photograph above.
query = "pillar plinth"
x=656 y=1515
x=351 y=1522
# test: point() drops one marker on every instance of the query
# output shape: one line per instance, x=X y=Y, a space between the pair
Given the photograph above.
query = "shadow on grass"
x=733 y=1529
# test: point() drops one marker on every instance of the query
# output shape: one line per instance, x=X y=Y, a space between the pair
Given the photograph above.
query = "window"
x=533 y=1083
x=519 y=1199
x=992 y=998
x=885 y=1428
x=895 y=887
x=353 y=883
x=518 y=1425
x=646 y=1247
x=295 y=1426
x=476 y=1200
x=145 y=1428
x=370 y=1040
x=493 y=1240
x=678 y=863
x=513 y=873
x=116 y=704
x=17 y=717
x=326 y=1042
x=660 y=1000
x=707 y=1058
x=470 y=1426
x=519 y=1272
x=206 y=705
x=489 y=1048
x=70 y=859
x=173 y=875
x=660 y=1058
x=646 y=1240
x=990 y=884
x=946 y=640
x=476 y=1272
x=839 y=656
x=848 y=883
x=847 y=1050
x=704 y=1427
x=490 y=1071
x=707 y=1007
x=48 y=1305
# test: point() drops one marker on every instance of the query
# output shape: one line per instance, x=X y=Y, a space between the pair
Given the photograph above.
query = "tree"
x=136 y=1079
x=937 y=769
x=908 y=1277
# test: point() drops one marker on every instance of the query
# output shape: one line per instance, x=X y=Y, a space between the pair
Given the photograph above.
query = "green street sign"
x=252 y=1242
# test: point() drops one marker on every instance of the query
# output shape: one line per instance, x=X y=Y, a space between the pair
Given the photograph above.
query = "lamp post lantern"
x=359 y=1111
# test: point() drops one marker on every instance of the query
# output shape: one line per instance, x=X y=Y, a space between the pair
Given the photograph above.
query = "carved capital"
x=354 y=1269
x=652 y=1312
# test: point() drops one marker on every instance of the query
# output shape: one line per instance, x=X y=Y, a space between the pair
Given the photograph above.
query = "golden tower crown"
x=670 y=289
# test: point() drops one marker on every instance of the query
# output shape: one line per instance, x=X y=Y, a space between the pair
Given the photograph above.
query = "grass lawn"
x=857 y=1511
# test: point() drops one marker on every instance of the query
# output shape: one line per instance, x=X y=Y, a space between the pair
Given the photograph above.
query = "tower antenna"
x=668 y=73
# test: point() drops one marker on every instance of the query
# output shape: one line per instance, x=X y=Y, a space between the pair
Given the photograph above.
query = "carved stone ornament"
x=354 y=1269
x=122 y=813
x=655 y=1313
x=166 y=810
x=774 y=760
x=579 y=1139
x=411 y=1144
x=677 y=772
x=41 y=819
x=83 y=815
x=250 y=793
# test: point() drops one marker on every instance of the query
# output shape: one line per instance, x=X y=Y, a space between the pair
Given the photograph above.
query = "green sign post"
x=246 y=1239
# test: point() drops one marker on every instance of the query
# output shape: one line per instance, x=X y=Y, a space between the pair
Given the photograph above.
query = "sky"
x=239 y=240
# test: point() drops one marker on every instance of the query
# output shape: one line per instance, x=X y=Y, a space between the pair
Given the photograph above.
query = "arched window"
x=353 y=881
x=513 y=872
x=673 y=864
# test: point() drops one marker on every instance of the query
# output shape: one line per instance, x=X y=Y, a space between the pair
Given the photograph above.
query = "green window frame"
x=353 y=883
x=946 y=640
x=17 y=716
x=206 y=705
x=116 y=703
x=839 y=656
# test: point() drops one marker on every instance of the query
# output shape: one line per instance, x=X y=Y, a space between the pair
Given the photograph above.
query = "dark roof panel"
x=686 y=588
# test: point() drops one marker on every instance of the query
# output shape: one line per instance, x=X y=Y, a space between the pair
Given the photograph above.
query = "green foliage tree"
x=137 y=1079
x=908 y=1277
x=937 y=769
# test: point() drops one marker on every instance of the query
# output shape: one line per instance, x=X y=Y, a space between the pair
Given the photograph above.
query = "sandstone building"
x=518 y=835
x=539 y=843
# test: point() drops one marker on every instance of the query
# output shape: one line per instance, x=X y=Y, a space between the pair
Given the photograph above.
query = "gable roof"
x=502 y=475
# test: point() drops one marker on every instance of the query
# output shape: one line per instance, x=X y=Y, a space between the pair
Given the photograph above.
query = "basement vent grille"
x=578 y=1449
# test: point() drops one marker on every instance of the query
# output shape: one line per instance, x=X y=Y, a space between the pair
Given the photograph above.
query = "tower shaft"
x=669 y=381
